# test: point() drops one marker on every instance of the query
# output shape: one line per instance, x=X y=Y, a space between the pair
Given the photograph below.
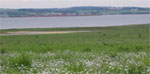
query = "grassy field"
x=105 y=50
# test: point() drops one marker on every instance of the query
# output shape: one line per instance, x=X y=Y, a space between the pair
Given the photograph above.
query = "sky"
x=71 y=3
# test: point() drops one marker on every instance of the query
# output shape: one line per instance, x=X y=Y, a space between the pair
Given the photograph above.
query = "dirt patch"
x=38 y=32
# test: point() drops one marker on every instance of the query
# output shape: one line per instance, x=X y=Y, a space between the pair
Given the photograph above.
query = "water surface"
x=76 y=21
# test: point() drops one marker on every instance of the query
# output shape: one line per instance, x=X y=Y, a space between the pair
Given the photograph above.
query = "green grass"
x=111 y=50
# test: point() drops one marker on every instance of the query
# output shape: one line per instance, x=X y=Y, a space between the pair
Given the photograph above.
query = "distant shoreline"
x=51 y=16
x=69 y=27
x=68 y=15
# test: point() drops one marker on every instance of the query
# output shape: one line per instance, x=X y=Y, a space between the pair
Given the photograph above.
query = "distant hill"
x=72 y=11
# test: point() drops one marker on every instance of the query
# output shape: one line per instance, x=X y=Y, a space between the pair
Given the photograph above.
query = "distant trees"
x=73 y=11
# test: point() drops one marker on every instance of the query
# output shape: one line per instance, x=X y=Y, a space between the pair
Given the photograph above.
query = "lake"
x=75 y=21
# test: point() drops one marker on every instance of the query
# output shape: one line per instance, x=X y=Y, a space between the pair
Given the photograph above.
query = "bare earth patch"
x=38 y=32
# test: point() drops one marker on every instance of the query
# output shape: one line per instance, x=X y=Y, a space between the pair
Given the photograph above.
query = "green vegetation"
x=105 y=50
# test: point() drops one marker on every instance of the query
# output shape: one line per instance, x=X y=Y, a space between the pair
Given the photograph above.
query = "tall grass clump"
x=87 y=50
x=21 y=60
x=2 y=51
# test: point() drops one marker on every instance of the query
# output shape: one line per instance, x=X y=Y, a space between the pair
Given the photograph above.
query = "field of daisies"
x=104 y=50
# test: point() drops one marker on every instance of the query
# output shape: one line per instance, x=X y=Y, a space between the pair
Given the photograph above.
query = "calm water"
x=80 y=21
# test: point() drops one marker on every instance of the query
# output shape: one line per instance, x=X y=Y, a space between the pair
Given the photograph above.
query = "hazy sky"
x=70 y=3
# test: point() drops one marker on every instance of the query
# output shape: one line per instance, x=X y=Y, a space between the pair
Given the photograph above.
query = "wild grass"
x=106 y=50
